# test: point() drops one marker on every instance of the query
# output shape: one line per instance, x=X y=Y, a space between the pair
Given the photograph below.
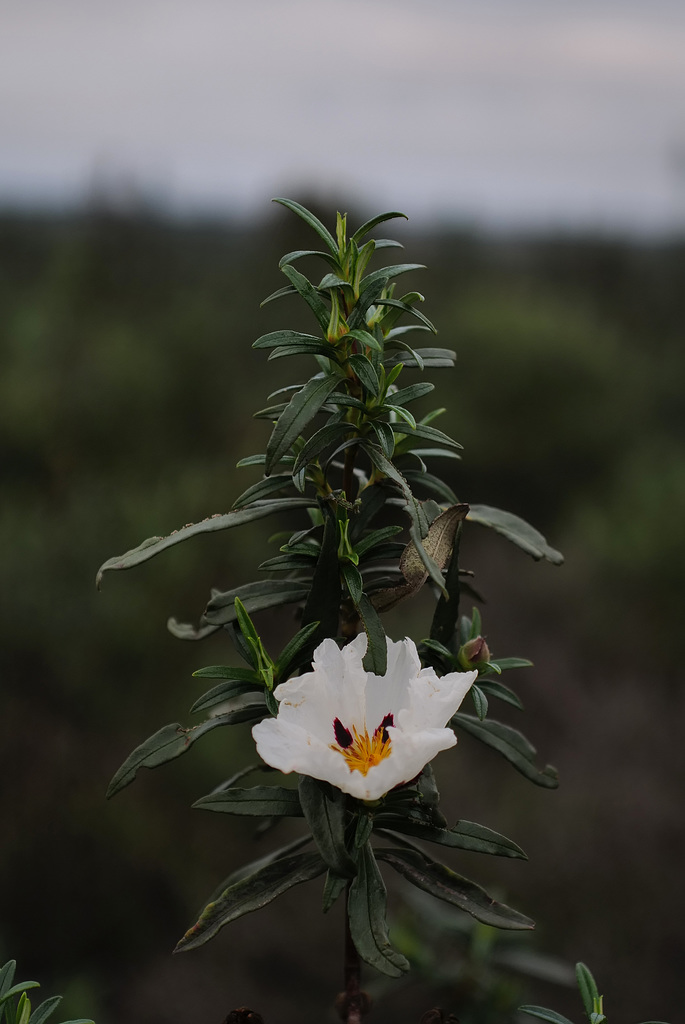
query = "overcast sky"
x=505 y=111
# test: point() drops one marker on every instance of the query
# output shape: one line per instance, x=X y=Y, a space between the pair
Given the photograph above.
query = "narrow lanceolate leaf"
x=365 y=371
x=255 y=597
x=266 y=801
x=297 y=651
x=277 y=338
x=465 y=835
x=301 y=409
x=432 y=357
x=440 y=881
x=368 y=297
x=551 y=1016
x=324 y=810
x=333 y=887
x=411 y=393
x=517 y=530
x=222 y=692
x=307 y=348
x=408 y=308
x=390 y=470
x=353 y=581
x=262 y=489
x=480 y=702
x=154 y=545
x=318 y=442
x=168 y=743
x=323 y=601
x=45 y=1010
x=369 y=225
x=309 y=294
x=376 y=657
x=309 y=218
x=587 y=987
x=252 y=893
x=427 y=433
x=290 y=257
x=366 y=907
x=512 y=744
x=386 y=273
x=496 y=689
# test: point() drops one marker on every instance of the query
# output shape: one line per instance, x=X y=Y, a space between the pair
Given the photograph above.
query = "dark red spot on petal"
x=383 y=727
x=343 y=736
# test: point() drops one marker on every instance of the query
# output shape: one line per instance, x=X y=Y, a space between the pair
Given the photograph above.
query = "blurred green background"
x=126 y=395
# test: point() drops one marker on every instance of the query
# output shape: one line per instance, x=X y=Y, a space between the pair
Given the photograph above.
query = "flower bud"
x=474 y=654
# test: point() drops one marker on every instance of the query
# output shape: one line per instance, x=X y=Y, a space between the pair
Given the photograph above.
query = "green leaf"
x=324 y=809
x=427 y=433
x=313 y=222
x=366 y=338
x=7 y=977
x=310 y=296
x=406 y=307
x=353 y=581
x=506 y=663
x=390 y=470
x=262 y=489
x=369 y=225
x=517 y=530
x=365 y=371
x=323 y=601
x=431 y=357
x=154 y=545
x=480 y=702
x=333 y=887
x=22 y=986
x=323 y=437
x=277 y=338
x=297 y=650
x=587 y=987
x=368 y=297
x=297 y=254
x=386 y=273
x=376 y=537
x=465 y=835
x=496 y=689
x=308 y=348
x=432 y=484
x=512 y=744
x=252 y=893
x=168 y=743
x=278 y=294
x=223 y=692
x=289 y=563
x=551 y=1016
x=411 y=393
x=332 y=281
x=266 y=801
x=386 y=437
x=302 y=408
x=366 y=907
x=440 y=881
x=255 y=597
x=376 y=657
x=246 y=675
x=45 y=1010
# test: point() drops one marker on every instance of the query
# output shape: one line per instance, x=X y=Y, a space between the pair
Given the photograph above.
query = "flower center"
x=360 y=750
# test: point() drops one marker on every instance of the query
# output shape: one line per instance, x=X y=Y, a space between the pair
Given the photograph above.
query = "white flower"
x=361 y=732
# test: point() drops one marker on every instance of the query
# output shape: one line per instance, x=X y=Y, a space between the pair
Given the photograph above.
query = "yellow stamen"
x=365 y=751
